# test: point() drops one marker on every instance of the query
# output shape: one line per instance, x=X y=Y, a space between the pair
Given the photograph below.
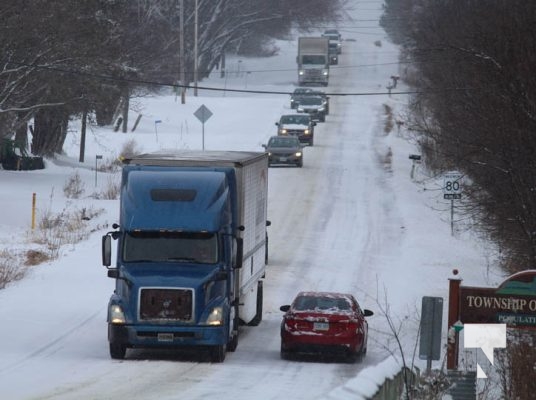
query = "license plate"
x=283 y=159
x=165 y=337
x=320 y=326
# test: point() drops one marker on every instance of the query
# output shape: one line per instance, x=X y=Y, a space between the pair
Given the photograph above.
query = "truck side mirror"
x=107 y=250
x=239 y=252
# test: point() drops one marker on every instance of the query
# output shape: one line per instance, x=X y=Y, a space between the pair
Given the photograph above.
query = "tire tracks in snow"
x=48 y=346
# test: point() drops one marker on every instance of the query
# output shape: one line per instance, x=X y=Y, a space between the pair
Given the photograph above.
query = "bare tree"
x=476 y=111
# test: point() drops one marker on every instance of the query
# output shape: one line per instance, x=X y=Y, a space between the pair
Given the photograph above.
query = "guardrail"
x=384 y=381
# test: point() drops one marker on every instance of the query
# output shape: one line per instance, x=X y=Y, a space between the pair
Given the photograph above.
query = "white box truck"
x=313 y=60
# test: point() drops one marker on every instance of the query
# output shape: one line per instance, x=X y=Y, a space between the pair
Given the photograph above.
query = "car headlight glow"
x=321 y=109
x=215 y=317
x=117 y=316
x=298 y=154
x=283 y=131
x=306 y=131
x=300 y=72
x=325 y=73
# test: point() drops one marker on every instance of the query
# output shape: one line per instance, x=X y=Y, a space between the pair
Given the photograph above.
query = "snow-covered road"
x=350 y=220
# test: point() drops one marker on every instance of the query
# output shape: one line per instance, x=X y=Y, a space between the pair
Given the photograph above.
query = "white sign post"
x=452 y=190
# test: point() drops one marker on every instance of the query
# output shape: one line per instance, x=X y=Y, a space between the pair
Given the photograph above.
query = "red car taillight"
x=297 y=324
x=346 y=326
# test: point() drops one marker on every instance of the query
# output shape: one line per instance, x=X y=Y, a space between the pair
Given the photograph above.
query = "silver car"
x=285 y=150
x=314 y=106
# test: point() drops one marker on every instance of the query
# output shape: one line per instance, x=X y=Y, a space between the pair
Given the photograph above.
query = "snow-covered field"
x=350 y=220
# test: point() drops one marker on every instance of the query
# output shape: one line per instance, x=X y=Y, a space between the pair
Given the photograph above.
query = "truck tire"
x=118 y=351
x=217 y=353
x=258 y=316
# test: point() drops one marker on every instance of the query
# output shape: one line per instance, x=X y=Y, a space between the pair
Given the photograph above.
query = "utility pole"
x=181 y=55
x=196 y=63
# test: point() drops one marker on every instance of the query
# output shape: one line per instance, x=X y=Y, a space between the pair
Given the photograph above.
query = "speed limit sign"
x=452 y=188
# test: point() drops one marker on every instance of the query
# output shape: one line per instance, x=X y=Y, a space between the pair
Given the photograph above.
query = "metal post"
x=452 y=217
x=203 y=133
x=181 y=55
x=196 y=62
x=97 y=157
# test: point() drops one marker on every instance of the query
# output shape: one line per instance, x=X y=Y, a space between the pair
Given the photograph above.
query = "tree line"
x=473 y=64
x=85 y=59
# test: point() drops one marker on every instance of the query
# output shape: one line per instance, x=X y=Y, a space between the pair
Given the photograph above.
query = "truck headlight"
x=117 y=316
x=283 y=131
x=325 y=73
x=298 y=154
x=306 y=131
x=215 y=317
x=300 y=72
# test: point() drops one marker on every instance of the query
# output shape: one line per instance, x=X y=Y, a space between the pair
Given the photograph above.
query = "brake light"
x=292 y=324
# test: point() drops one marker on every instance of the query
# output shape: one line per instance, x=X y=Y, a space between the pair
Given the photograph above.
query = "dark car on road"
x=296 y=95
x=300 y=93
x=335 y=37
x=284 y=150
x=333 y=53
x=324 y=323
x=299 y=125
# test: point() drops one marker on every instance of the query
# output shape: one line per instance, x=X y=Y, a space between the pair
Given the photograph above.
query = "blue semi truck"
x=192 y=248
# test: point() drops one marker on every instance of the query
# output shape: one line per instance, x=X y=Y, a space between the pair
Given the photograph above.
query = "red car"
x=324 y=322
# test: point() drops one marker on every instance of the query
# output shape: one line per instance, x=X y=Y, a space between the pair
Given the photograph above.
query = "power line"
x=216 y=89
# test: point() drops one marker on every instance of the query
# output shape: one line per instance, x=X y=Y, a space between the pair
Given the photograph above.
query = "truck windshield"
x=314 y=60
x=156 y=246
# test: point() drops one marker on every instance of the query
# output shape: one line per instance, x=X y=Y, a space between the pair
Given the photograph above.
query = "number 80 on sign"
x=452 y=188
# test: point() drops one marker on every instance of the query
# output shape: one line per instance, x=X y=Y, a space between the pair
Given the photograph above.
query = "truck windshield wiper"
x=181 y=259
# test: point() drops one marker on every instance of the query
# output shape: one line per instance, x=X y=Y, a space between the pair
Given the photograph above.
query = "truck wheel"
x=117 y=351
x=258 y=316
x=217 y=353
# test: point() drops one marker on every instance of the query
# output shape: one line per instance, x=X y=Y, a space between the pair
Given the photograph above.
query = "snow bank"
x=369 y=381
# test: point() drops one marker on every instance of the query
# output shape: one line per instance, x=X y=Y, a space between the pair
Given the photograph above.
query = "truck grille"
x=314 y=75
x=166 y=304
